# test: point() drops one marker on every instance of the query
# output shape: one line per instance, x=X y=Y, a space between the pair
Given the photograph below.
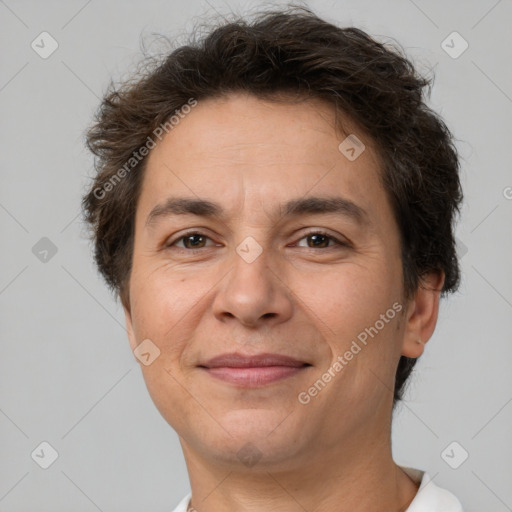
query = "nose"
x=253 y=293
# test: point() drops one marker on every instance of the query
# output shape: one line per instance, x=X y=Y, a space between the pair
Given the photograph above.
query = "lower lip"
x=254 y=376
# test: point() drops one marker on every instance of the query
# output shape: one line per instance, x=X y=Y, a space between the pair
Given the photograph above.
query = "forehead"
x=250 y=154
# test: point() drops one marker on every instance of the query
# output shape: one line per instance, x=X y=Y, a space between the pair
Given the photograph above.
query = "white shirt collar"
x=430 y=497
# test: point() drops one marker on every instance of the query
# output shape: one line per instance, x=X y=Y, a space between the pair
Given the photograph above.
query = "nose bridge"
x=252 y=291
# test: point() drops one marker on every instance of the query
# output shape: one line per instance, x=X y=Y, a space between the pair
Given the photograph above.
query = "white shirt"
x=429 y=498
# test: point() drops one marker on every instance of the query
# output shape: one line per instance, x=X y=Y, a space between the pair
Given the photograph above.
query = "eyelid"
x=338 y=241
x=191 y=231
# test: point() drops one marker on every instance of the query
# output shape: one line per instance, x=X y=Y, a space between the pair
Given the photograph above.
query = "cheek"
x=164 y=310
x=168 y=307
x=158 y=303
x=344 y=301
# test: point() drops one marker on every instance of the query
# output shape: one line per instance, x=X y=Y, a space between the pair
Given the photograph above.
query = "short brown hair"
x=294 y=53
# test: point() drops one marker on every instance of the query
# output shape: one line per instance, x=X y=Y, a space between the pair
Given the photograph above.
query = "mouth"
x=253 y=371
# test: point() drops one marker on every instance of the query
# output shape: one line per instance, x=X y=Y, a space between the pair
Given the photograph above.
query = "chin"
x=257 y=439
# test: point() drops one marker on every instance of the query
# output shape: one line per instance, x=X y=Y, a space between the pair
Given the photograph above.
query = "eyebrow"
x=295 y=207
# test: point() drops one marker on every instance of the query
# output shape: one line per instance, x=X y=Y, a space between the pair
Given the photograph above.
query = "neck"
x=336 y=480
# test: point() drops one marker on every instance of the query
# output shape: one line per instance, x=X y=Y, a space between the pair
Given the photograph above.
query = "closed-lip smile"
x=252 y=370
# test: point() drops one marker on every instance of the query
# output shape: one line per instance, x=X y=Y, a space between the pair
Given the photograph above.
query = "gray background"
x=67 y=374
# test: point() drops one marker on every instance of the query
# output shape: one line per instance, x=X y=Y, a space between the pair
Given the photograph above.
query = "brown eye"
x=191 y=241
x=320 y=240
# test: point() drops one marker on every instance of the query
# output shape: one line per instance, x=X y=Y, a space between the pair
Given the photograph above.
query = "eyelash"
x=317 y=232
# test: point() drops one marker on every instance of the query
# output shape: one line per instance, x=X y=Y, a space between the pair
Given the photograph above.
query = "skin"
x=304 y=297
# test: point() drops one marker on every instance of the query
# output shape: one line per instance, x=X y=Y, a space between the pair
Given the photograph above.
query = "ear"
x=129 y=328
x=422 y=314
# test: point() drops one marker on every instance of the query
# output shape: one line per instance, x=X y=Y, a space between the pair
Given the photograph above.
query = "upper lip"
x=235 y=360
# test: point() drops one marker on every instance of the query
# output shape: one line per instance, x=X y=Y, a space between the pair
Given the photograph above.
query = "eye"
x=321 y=240
x=191 y=241
x=196 y=240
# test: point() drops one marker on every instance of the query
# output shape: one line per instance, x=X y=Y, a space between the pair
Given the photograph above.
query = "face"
x=293 y=273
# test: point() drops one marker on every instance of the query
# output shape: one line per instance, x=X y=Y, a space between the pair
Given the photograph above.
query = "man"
x=274 y=205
